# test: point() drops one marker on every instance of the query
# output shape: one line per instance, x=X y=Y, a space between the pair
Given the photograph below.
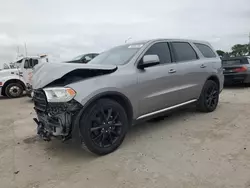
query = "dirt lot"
x=187 y=149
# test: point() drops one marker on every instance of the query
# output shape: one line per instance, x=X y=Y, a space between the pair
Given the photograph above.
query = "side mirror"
x=149 y=61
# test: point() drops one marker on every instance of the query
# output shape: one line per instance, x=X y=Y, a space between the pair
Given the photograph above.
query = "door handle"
x=172 y=71
x=203 y=66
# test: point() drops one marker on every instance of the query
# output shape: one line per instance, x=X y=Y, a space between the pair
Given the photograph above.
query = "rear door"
x=157 y=84
x=191 y=70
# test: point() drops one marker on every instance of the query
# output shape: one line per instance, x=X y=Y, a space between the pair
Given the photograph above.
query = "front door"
x=157 y=84
x=27 y=70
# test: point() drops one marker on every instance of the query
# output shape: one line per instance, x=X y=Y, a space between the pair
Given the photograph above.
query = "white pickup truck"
x=17 y=78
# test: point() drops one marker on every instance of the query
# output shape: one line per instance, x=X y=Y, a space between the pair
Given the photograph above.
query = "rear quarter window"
x=205 y=50
x=183 y=51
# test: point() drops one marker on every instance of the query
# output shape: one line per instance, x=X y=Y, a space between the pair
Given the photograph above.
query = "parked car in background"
x=97 y=102
x=236 y=70
x=85 y=58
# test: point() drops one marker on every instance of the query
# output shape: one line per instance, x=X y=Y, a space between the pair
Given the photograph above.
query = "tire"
x=103 y=126
x=14 y=90
x=209 y=97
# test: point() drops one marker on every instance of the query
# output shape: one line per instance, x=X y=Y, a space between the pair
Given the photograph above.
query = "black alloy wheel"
x=103 y=126
x=209 y=97
x=212 y=96
x=106 y=127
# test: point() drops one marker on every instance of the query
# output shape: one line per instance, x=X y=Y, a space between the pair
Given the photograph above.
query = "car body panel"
x=43 y=75
x=148 y=90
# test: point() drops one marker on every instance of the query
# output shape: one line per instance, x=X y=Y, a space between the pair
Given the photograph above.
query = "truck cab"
x=17 y=78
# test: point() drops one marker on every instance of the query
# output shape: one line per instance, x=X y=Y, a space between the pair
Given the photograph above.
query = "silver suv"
x=96 y=103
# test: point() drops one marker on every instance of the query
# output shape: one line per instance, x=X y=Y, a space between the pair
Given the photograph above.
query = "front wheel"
x=14 y=90
x=103 y=126
x=209 y=97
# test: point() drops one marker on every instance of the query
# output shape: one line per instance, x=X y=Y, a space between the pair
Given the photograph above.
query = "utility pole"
x=249 y=45
x=17 y=51
x=25 y=49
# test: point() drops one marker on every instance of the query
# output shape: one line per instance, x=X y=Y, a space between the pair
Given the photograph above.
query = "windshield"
x=77 y=58
x=117 y=56
x=17 y=64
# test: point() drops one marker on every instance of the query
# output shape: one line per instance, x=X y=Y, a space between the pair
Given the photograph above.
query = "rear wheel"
x=103 y=126
x=209 y=97
x=14 y=90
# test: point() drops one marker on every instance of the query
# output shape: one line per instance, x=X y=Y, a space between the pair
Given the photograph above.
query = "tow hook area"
x=45 y=135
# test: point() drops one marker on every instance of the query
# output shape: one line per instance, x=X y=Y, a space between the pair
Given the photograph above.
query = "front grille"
x=40 y=100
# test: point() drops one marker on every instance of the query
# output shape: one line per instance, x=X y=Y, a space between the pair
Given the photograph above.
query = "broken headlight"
x=59 y=94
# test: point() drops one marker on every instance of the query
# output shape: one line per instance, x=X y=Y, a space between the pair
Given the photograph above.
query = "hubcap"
x=212 y=97
x=106 y=127
x=14 y=91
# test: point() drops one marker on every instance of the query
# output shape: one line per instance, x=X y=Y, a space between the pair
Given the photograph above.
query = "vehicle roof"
x=27 y=57
x=168 y=39
x=234 y=58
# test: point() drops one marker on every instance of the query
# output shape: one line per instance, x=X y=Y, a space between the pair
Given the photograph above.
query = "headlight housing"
x=59 y=94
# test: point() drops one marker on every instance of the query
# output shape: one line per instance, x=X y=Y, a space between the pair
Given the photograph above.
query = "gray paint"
x=148 y=90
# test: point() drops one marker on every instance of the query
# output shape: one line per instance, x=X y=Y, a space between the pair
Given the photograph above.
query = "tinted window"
x=183 y=51
x=205 y=50
x=35 y=62
x=30 y=63
x=162 y=50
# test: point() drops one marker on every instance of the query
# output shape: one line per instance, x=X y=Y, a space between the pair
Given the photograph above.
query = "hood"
x=50 y=72
x=5 y=72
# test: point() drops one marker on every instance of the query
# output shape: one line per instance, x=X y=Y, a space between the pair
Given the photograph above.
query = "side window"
x=87 y=58
x=183 y=51
x=30 y=63
x=35 y=62
x=94 y=55
x=26 y=64
x=162 y=50
x=205 y=50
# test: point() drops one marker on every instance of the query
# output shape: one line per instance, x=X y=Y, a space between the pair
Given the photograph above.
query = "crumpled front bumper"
x=55 y=119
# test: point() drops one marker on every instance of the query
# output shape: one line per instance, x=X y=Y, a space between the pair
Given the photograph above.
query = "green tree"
x=220 y=53
x=240 y=50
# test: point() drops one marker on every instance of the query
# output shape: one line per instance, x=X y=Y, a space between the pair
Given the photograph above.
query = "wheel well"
x=9 y=82
x=215 y=79
x=119 y=98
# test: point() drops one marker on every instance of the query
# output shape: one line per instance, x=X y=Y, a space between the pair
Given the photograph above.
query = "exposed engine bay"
x=54 y=119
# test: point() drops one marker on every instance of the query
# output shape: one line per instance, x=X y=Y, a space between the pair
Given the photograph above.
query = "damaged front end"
x=54 y=119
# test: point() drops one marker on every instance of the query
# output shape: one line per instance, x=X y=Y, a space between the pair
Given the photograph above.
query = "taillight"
x=1 y=83
x=241 y=69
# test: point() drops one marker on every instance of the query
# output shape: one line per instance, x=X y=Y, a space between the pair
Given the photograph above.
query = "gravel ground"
x=186 y=149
